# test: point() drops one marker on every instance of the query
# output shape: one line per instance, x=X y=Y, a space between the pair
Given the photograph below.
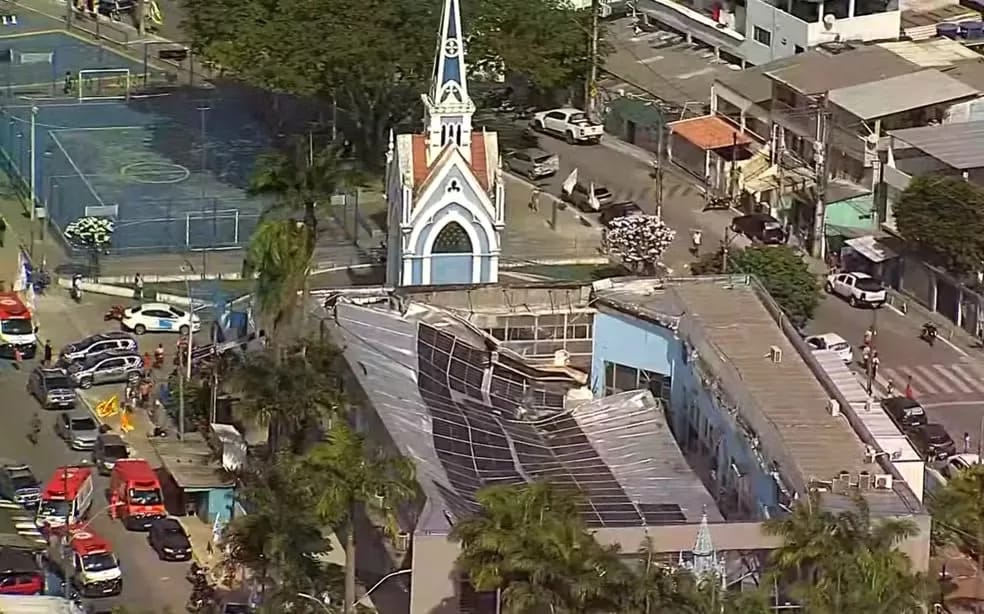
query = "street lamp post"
x=398 y=572
x=184 y=371
x=34 y=161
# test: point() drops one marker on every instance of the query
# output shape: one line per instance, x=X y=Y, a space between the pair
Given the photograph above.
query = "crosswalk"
x=934 y=379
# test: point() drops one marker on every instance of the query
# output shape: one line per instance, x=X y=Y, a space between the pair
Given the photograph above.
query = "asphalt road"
x=147 y=581
x=947 y=380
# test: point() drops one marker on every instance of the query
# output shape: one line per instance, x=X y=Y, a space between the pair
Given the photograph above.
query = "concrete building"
x=696 y=397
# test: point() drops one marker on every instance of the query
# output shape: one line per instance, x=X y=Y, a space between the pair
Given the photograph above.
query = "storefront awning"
x=869 y=247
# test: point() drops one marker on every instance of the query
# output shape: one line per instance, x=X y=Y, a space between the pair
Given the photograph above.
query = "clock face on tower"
x=451 y=48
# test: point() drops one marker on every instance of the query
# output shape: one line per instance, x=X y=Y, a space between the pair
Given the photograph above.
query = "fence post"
x=235 y=236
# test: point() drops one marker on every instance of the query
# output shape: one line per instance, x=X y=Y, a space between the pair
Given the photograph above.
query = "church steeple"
x=704 y=561
x=448 y=108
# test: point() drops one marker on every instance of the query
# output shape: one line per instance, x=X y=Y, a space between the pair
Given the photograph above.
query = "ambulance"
x=67 y=497
x=135 y=494
x=16 y=327
x=87 y=561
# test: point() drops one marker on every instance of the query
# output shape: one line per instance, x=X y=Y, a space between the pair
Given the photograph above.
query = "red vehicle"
x=16 y=327
x=19 y=573
x=66 y=498
x=88 y=562
x=135 y=494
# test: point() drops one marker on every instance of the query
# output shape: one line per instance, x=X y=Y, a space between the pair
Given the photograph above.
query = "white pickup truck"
x=571 y=124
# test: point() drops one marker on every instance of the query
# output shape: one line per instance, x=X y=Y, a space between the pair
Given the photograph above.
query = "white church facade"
x=444 y=187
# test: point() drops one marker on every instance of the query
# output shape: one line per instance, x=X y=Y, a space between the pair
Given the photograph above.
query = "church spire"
x=448 y=106
x=704 y=561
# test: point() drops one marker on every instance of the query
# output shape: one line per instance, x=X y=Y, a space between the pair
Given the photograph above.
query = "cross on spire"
x=448 y=106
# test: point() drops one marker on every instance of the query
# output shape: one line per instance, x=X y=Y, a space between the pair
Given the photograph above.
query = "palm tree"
x=843 y=561
x=958 y=509
x=347 y=476
x=288 y=391
x=280 y=256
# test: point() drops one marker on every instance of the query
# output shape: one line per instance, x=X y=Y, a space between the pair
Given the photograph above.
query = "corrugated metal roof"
x=901 y=93
x=817 y=72
x=960 y=146
x=752 y=83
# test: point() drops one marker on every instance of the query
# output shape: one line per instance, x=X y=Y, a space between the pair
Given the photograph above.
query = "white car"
x=160 y=317
x=858 y=288
x=833 y=342
x=573 y=125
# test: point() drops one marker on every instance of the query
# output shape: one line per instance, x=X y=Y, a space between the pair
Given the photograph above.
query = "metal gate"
x=218 y=229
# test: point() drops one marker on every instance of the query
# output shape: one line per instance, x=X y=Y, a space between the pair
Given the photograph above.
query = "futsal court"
x=171 y=168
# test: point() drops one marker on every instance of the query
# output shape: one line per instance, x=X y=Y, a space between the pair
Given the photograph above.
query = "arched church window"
x=452 y=240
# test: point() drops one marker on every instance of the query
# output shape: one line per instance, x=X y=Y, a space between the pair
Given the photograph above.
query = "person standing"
x=46 y=353
x=966 y=443
x=138 y=285
x=535 y=199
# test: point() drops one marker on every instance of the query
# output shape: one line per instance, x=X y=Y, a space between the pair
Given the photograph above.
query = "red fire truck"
x=16 y=327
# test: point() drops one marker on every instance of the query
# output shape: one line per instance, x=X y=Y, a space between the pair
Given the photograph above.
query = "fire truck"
x=87 y=562
x=16 y=327
x=135 y=494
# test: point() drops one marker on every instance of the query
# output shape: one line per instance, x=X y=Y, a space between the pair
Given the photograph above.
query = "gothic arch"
x=452 y=239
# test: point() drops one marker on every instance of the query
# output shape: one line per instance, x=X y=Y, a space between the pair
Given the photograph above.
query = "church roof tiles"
x=422 y=171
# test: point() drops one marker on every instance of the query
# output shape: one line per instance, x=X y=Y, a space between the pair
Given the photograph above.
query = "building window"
x=452 y=240
x=621 y=378
x=763 y=36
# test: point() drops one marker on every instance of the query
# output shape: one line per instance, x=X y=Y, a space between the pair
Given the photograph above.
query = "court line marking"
x=30 y=34
x=76 y=168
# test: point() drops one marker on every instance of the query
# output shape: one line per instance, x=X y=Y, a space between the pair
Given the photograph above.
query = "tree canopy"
x=639 y=242
x=375 y=58
x=944 y=216
x=781 y=270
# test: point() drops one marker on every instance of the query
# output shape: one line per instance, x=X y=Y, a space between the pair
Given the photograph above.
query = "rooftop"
x=752 y=83
x=782 y=403
x=817 y=71
x=473 y=414
x=931 y=53
x=191 y=463
x=709 y=132
x=970 y=72
x=960 y=146
x=901 y=93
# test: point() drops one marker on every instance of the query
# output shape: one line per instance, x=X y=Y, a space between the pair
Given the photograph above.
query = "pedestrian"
x=909 y=392
x=890 y=388
x=69 y=83
x=3 y=230
x=966 y=443
x=535 y=199
x=696 y=238
x=46 y=353
x=875 y=362
x=138 y=285
x=148 y=362
x=869 y=335
x=18 y=357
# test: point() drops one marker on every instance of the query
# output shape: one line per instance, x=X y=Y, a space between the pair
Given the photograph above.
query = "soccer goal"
x=104 y=84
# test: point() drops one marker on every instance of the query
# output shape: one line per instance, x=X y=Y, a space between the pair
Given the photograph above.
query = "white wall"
x=875 y=27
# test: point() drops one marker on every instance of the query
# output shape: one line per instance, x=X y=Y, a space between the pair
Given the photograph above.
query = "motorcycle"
x=76 y=290
x=115 y=313
x=929 y=333
x=196 y=573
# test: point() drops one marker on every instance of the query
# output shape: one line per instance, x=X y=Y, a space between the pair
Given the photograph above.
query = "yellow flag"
x=108 y=407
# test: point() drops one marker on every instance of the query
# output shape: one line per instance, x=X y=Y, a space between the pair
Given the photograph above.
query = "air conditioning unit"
x=775 y=353
x=865 y=480
x=834 y=407
x=883 y=481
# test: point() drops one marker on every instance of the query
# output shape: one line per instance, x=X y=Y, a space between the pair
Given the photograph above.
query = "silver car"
x=113 y=367
x=580 y=197
x=78 y=429
x=533 y=163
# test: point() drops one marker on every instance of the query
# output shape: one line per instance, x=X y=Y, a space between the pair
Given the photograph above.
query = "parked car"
x=617 y=210
x=833 y=342
x=958 y=463
x=860 y=289
x=533 y=163
x=53 y=388
x=97 y=344
x=109 y=448
x=168 y=538
x=933 y=442
x=78 y=429
x=760 y=227
x=580 y=197
x=573 y=125
x=905 y=412
x=19 y=573
x=107 y=368
x=18 y=484
x=160 y=317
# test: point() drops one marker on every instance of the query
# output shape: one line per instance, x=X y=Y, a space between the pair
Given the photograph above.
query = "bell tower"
x=447 y=107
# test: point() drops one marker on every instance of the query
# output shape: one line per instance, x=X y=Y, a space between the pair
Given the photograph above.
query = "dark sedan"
x=905 y=412
x=168 y=538
x=933 y=442
x=760 y=227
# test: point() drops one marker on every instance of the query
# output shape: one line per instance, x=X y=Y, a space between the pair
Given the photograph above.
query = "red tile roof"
x=479 y=159
x=709 y=132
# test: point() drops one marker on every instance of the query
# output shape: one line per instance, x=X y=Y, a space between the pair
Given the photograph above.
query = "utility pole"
x=820 y=156
x=590 y=84
x=724 y=250
x=660 y=157
x=34 y=162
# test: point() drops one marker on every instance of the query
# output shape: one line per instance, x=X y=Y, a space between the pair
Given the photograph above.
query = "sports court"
x=170 y=167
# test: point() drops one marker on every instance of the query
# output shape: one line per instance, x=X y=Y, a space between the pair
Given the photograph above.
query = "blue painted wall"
x=632 y=342
x=220 y=503
x=696 y=417
x=451 y=268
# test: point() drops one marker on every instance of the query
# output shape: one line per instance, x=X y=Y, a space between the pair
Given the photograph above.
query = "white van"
x=67 y=497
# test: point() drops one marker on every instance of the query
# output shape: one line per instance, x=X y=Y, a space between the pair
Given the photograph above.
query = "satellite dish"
x=829 y=20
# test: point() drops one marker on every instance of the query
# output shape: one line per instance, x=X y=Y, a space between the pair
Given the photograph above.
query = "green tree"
x=944 y=216
x=782 y=271
x=958 y=510
x=280 y=257
x=289 y=390
x=843 y=561
x=374 y=58
x=347 y=475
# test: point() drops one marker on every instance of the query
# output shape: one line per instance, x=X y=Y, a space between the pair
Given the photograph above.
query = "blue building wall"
x=701 y=426
x=220 y=503
x=451 y=268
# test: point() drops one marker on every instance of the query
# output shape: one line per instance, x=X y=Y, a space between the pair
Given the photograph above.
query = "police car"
x=160 y=317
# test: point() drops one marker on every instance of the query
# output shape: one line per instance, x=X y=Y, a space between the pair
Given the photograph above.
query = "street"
x=947 y=380
x=147 y=581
